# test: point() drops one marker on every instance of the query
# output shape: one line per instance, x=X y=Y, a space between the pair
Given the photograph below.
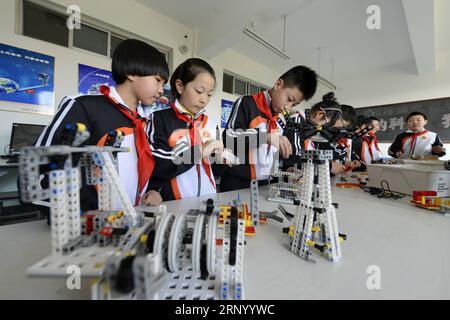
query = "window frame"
x=247 y=82
x=108 y=45
x=91 y=22
x=20 y=19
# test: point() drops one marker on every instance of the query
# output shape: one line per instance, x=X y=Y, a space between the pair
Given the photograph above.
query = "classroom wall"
x=394 y=84
x=144 y=21
x=237 y=63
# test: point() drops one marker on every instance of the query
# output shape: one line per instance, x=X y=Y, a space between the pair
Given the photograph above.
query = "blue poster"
x=164 y=101
x=227 y=106
x=26 y=80
x=91 y=79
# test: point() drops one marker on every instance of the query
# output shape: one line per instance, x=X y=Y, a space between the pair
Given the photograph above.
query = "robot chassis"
x=130 y=253
x=287 y=189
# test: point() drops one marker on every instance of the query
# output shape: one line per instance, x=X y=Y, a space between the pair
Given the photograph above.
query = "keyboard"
x=13 y=159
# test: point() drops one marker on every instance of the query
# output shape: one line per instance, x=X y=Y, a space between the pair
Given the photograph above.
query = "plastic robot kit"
x=315 y=225
x=287 y=189
x=130 y=253
x=430 y=201
x=136 y=253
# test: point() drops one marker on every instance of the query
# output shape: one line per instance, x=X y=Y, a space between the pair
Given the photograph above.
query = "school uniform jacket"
x=416 y=144
x=179 y=167
x=345 y=145
x=297 y=144
x=366 y=149
x=341 y=150
x=100 y=116
x=247 y=131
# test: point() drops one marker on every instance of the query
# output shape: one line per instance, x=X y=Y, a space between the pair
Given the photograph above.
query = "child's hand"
x=281 y=143
x=295 y=170
x=285 y=147
x=438 y=150
x=212 y=146
x=152 y=198
x=399 y=155
x=349 y=165
x=356 y=164
x=337 y=168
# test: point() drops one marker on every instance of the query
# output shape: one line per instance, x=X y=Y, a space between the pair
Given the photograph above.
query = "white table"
x=411 y=246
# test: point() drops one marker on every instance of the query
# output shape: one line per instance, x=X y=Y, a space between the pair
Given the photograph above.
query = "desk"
x=5 y=165
x=411 y=246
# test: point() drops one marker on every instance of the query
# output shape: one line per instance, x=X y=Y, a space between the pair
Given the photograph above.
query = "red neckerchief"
x=375 y=140
x=367 y=140
x=196 y=139
x=261 y=103
x=343 y=142
x=413 y=141
x=146 y=162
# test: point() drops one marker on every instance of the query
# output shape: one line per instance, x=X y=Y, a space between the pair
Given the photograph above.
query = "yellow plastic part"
x=291 y=232
x=81 y=127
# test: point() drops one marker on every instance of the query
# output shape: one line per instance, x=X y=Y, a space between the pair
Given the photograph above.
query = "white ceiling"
x=338 y=26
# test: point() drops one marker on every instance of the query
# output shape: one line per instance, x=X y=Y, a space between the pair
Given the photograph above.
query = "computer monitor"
x=23 y=135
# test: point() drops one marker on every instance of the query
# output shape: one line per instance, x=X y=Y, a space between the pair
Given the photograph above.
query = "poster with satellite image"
x=26 y=81
x=164 y=101
x=90 y=79
x=227 y=107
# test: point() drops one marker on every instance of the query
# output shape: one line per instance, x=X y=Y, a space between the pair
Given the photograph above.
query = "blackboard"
x=392 y=117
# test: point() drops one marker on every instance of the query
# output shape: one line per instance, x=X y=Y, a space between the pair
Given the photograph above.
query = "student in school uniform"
x=254 y=126
x=416 y=141
x=295 y=139
x=140 y=72
x=348 y=119
x=375 y=124
x=365 y=148
x=184 y=140
x=352 y=159
x=320 y=114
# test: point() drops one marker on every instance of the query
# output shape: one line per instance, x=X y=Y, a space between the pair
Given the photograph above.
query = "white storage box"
x=411 y=176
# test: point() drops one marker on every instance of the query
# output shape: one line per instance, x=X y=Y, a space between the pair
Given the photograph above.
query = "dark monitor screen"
x=24 y=135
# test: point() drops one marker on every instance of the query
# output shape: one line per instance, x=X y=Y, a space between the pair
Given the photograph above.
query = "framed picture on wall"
x=90 y=79
x=26 y=81
x=227 y=106
x=164 y=101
